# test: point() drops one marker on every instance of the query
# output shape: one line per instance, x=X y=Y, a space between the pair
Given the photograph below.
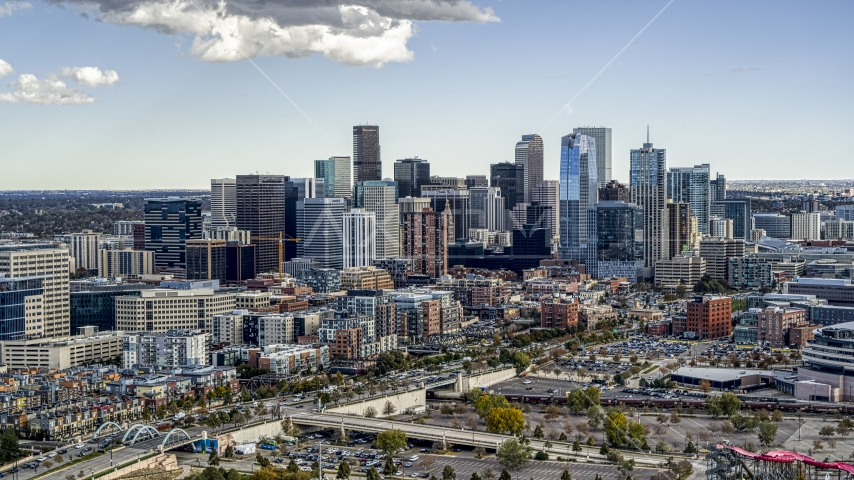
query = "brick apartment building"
x=775 y=323
x=709 y=317
x=559 y=313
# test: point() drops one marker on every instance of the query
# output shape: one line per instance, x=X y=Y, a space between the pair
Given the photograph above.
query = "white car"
x=41 y=459
x=413 y=458
x=51 y=454
x=527 y=382
x=79 y=445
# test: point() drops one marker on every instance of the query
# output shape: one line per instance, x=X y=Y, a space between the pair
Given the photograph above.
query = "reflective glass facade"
x=13 y=313
x=578 y=193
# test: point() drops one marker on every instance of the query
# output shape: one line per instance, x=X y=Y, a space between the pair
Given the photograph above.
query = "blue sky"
x=757 y=89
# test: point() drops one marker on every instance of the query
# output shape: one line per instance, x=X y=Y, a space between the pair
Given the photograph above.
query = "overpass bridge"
x=145 y=437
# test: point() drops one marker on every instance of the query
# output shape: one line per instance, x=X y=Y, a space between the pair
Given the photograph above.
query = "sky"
x=138 y=94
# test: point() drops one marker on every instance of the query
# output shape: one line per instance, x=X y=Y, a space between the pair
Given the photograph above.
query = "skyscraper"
x=380 y=198
x=529 y=154
x=169 y=223
x=648 y=188
x=510 y=178
x=602 y=135
x=691 y=185
x=578 y=193
x=547 y=193
x=615 y=231
x=410 y=174
x=614 y=191
x=487 y=208
x=223 y=202
x=679 y=228
x=37 y=267
x=297 y=189
x=261 y=210
x=425 y=237
x=335 y=172
x=737 y=210
x=367 y=164
x=359 y=238
x=718 y=188
x=84 y=249
x=206 y=260
x=319 y=224
x=458 y=204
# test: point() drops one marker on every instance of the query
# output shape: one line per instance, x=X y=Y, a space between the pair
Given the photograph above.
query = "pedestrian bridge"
x=140 y=434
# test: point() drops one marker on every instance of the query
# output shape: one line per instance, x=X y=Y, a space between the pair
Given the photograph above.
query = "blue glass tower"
x=578 y=193
x=13 y=309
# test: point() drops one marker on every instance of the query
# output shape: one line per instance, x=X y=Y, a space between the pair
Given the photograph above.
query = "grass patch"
x=651 y=368
x=69 y=464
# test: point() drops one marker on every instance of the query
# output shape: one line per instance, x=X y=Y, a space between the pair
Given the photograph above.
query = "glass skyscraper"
x=602 y=135
x=648 y=189
x=410 y=174
x=16 y=294
x=578 y=193
x=616 y=240
x=367 y=165
x=529 y=154
x=691 y=185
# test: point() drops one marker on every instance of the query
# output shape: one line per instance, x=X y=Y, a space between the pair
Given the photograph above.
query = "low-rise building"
x=175 y=348
x=559 y=312
x=685 y=270
x=774 y=324
x=366 y=278
x=62 y=353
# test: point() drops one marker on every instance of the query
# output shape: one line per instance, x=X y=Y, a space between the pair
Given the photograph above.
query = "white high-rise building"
x=52 y=264
x=648 y=190
x=720 y=227
x=380 y=198
x=529 y=154
x=319 y=224
x=84 y=249
x=487 y=208
x=806 y=226
x=223 y=202
x=175 y=348
x=360 y=234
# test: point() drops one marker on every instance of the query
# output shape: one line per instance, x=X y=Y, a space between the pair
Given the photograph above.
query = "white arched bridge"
x=138 y=433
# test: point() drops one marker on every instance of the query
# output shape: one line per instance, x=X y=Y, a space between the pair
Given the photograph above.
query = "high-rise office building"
x=425 y=236
x=84 y=249
x=261 y=210
x=487 y=208
x=21 y=305
x=319 y=225
x=578 y=193
x=223 y=203
x=737 y=210
x=529 y=154
x=614 y=191
x=206 y=260
x=51 y=265
x=806 y=226
x=367 y=163
x=476 y=181
x=412 y=205
x=297 y=189
x=458 y=204
x=679 y=228
x=335 y=172
x=718 y=188
x=774 y=224
x=648 y=188
x=844 y=212
x=240 y=262
x=691 y=185
x=122 y=263
x=510 y=178
x=125 y=228
x=359 y=238
x=169 y=223
x=547 y=193
x=602 y=136
x=381 y=197
x=615 y=231
x=410 y=174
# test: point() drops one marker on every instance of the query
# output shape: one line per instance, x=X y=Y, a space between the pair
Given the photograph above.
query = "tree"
x=390 y=468
x=373 y=474
x=726 y=404
x=505 y=420
x=213 y=459
x=827 y=431
x=229 y=452
x=594 y=416
x=565 y=475
x=292 y=467
x=512 y=454
x=261 y=460
x=776 y=416
x=9 y=449
x=370 y=412
x=486 y=402
x=705 y=386
x=146 y=415
x=616 y=427
x=474 y=476
x=538 y=432
x=662 y=447
x=505 y=475
x=448 y=473
x=390 y=441
x=389 y=408
x=690 y=448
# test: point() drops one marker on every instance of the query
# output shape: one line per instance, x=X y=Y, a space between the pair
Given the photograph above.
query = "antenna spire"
x=647 y=133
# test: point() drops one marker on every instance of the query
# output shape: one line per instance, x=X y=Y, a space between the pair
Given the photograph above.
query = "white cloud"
x=5 y=68
x=11 y=7
x=29 y=89
x=89 y=76
x=358 y=32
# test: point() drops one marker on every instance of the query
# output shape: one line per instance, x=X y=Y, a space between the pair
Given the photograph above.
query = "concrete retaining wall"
x=163 y=462
x=252 y=434
x=401 y=401
x=485 y=379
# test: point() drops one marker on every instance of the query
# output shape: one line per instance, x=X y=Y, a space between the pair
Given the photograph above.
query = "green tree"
x=448 y=473
x=538 y=432
x=565 y=475
x=512 y=454
x=390 y=468
x=292 y=467
x=505 y=475
x=9 y=449
x=373 y=474
x=261 y=460
x=486 y=402
x=161 y=412
x=474 y=476
x=343 y=471
x=244 y=395
x=390 y=441
x=767 y=433
x=213 y=459
x=229 y=452
x=146 y=415
x=576 y=446
x=690 y=448
x=594 y=416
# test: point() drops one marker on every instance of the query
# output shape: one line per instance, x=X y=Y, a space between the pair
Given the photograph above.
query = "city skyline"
x=159 y=102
